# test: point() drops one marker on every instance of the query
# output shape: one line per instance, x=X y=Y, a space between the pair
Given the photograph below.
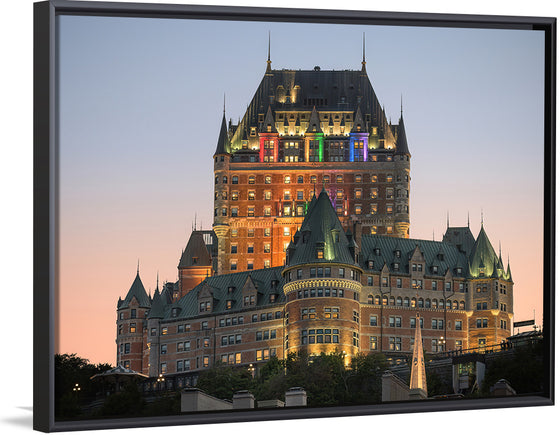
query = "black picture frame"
x=45 y=217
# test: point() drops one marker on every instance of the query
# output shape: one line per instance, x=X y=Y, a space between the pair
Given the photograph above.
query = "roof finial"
x=481 y=217
x=468 y=220
x=195 y=221
x=401 y=107
x=157 y=280
x=364 y=52
x=448 y=219
x=268 y=62
x=224 y=104
x=138 y=268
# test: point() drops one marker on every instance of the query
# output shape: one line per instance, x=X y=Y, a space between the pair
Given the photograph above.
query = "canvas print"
x=271 y=215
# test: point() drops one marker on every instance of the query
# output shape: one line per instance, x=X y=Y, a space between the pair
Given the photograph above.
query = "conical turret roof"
x=322 y=239
x=137 y=291
x=223 y=146
x=402 y=143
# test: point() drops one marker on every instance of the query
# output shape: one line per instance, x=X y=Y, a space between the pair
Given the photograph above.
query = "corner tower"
x=322 y=284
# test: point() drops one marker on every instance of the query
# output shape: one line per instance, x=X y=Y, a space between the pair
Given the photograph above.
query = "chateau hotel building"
x=310 y=247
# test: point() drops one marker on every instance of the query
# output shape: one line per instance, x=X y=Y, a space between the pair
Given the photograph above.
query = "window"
x=235 y=179
x=458 y=325
x=133 y=313
x=372 y=320
x=132 y=328
x=251 y=179
x=286 y=179
x=163 y=349
x=373 y=343
x=164 y=330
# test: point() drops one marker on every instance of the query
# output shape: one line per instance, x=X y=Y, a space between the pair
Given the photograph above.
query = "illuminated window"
x=358 y=193
x=373 y=343
x=286 y=179
x=250 y=211
x=373 y=193
x=358 y=209
x=250 y=195
x=233 y=265
x=251 y=179
x=267 y=179
x=251 y=232
x=339 y=179
x=267 y=232
x=267 y=211
x=267 y=194
x=133 y=327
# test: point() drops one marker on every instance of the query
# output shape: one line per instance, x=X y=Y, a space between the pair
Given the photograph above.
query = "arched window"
x=385 y=300
x=462 y=305
x=455 y=305
x=428 y=303
x=441 y=303
x=420 y=303
x=370 y=299
x=392 y=301
x=399 y=301
x=406 y=302
x=377 y=300
x=413 y=302
x=251 y=179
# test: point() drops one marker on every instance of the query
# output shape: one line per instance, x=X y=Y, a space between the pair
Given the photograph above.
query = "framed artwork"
x=248 y=214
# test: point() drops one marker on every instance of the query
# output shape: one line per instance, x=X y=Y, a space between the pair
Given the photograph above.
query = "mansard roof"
x=300 y=90
x=321 y=230
x=450 y=257
x=196 y=253
x=137 y=291
x=262 y=279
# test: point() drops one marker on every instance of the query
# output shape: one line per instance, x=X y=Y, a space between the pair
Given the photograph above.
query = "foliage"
x=70 y=370
x=128 y=402
x=524 y=370
x=222 y=381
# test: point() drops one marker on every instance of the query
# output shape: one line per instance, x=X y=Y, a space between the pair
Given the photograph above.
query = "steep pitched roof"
x=158 y=308
x=314 y=122
x=196 y=253
x=349 y=88
x=268 y=122
x=321 y=230
x=137 y=291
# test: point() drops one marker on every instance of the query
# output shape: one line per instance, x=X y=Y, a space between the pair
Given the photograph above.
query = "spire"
x=418 y=370
x=268 y=62
x=138 y=268
x=448 y=219
x=364 y=53
x=468 y=220
x=137 y=291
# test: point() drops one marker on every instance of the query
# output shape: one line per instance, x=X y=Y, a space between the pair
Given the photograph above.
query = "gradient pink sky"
x=140 y=109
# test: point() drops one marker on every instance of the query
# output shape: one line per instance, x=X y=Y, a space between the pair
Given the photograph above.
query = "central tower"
x=305 y=131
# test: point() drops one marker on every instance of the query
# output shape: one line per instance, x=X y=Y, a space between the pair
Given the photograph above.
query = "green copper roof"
x=263 y=280
x=322 y=238
x=382 y=250
x=483 y=261
x=137 y=291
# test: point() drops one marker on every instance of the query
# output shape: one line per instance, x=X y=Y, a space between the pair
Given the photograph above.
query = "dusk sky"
x=140 y=108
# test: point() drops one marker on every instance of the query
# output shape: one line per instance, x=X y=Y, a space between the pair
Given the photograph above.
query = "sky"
x=140 y=107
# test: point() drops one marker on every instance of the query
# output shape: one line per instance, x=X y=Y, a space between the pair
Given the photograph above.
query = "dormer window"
x=230 y=289
x=377 y=251
x=398 y=253
x=395 y=266
x=434 y=269
x=370 y=264
x=320 y=253
x=194 y=260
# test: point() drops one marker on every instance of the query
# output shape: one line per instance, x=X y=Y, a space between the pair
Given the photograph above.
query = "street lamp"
x=441 y=344
x=252 y=370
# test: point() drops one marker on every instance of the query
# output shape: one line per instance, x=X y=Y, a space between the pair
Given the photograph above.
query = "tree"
x=223 y=381
x=72 y=383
